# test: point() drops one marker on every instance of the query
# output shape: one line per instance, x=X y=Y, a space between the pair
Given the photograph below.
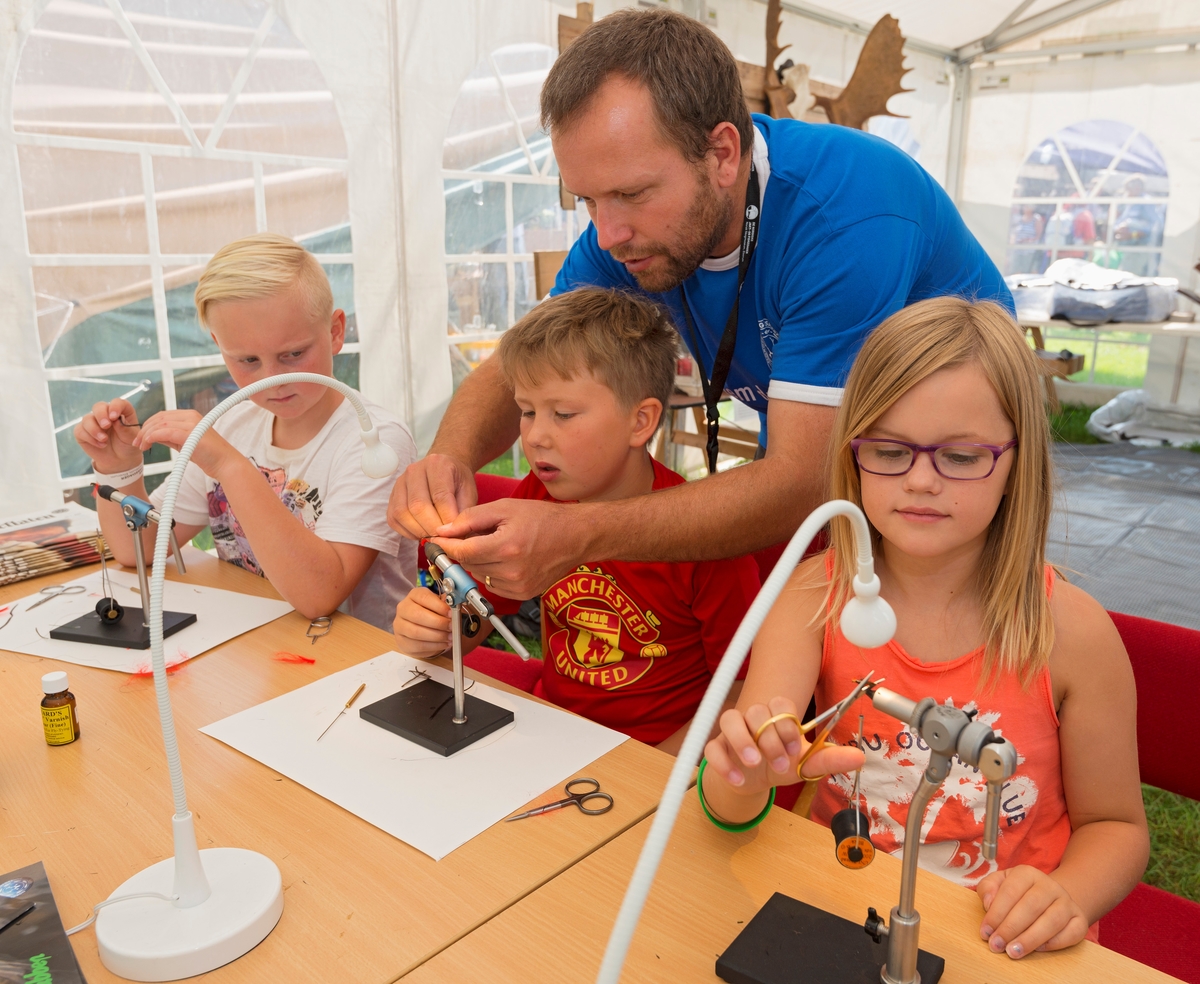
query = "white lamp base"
x=154 y=940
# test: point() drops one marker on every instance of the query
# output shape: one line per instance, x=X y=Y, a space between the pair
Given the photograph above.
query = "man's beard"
x=704 y=226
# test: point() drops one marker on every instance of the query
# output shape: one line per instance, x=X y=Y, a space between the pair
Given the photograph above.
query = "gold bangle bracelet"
x=772 y=720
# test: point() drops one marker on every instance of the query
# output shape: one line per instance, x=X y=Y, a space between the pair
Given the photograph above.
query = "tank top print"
x=1034 y=825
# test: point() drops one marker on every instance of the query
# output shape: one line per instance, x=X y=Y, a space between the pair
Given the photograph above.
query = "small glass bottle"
x=59 y=719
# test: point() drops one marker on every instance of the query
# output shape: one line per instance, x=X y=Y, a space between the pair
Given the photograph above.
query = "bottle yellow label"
x=59 y=725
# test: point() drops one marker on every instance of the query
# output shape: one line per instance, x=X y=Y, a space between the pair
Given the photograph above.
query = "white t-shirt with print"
x=324 y=486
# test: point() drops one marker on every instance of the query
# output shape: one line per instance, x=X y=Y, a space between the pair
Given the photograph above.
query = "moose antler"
x=876 y=78
x=778 y=95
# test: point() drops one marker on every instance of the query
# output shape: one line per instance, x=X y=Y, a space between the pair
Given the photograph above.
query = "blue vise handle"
x=458 y=589
x=138 y=515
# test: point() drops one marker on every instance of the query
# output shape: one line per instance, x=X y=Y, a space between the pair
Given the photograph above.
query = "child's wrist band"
x=733 y=828
x=119 y=479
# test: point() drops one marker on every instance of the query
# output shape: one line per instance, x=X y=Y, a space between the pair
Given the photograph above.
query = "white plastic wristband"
x=119 y=479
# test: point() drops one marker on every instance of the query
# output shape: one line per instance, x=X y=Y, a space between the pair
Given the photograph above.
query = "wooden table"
x=359 y=905
x=709 y=885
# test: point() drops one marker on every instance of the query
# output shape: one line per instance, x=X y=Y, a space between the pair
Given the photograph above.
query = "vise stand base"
x=129 y=633
x=410 y=713
x=790 y=942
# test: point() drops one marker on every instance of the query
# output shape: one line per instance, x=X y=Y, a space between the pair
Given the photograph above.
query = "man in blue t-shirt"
x=651 y=132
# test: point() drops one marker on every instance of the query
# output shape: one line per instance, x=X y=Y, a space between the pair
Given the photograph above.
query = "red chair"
x=1152 y=926
x=499 y=663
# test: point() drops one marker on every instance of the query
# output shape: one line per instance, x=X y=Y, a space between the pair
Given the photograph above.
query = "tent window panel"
x=1095 y=191
x=71 y=398
x=478 y=296
x=539 y=221
x=285 y=106
x=202 y=389
x=341 y=281
x=301 y=201
x=79 y=75
x=474 y=217
x=202 y=204
x=345 y=368
x=94 y=314
x=82 y=201
x=524 y=290
x=188 y=337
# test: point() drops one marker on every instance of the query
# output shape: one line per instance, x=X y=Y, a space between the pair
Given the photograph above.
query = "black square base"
x=789 y=942
x=129 y=633
x=424 y=713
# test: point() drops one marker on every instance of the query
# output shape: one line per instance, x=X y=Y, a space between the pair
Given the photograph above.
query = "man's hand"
x=1027 y=910
x=173 y=427
x=108 y=435
x=522 y=545
x=431 y=493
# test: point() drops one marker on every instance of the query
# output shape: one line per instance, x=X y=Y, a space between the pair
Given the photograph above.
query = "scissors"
x=54 y=591
x=589 y=790
x=323 y=622
x=829 y=718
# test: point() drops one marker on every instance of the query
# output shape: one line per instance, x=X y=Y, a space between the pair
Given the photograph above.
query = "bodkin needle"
x=345 y=708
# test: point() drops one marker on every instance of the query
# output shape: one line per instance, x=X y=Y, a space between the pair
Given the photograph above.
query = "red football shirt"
x=633 y=646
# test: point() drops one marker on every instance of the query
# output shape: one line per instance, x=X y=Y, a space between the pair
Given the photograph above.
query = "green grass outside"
x=1068 y=424
x=1116 y=364
x=504 y=465
x=1174 y=842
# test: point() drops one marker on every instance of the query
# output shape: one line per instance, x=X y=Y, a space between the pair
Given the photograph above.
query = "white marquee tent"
x=398 y=140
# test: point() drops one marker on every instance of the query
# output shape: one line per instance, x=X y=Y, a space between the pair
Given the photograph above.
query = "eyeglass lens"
x=963 y=462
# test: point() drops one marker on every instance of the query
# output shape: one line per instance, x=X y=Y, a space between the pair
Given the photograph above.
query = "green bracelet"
x=733 y=828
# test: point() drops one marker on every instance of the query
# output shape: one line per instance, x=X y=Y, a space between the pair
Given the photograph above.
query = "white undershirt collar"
x=762 y=165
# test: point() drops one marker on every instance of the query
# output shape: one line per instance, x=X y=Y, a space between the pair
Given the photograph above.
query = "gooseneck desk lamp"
x=867 y=621
x=223 y=901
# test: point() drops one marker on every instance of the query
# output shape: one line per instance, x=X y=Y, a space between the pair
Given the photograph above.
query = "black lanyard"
x=715 y=388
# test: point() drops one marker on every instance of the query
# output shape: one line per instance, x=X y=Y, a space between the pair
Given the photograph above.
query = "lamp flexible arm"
x=710 y=708
x=163 y=536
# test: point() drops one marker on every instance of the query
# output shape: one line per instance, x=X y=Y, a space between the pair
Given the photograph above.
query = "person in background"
x=629 y=645
x=278 y=479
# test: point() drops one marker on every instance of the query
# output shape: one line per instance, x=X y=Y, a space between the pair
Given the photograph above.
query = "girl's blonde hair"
x=910 y=346
x=263 y=265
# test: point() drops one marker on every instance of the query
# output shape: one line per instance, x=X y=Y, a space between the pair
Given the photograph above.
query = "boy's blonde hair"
x=625 y=342
x=910 y=346
x=263 y=265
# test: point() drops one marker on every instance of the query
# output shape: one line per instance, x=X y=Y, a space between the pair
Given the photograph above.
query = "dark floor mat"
x=1126 y=528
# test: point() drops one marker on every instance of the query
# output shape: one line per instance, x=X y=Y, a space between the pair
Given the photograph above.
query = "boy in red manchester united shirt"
x=629 y=645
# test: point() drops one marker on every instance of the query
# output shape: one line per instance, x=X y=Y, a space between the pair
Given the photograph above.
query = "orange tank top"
x=1034 y=825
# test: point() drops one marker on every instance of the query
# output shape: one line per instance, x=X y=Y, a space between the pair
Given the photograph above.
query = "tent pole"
x=959 y=119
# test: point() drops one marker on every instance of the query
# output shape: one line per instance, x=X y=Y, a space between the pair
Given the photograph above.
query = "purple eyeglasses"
x=960 y=462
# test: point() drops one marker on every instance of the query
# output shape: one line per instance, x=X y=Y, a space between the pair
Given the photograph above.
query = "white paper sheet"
x=436 y=804
x=220 y=616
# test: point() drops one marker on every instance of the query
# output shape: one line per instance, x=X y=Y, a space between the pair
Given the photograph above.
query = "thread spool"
x=110 y=611
x=851 y=836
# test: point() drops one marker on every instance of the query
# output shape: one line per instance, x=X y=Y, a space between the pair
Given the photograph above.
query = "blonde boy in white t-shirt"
x=278 y=478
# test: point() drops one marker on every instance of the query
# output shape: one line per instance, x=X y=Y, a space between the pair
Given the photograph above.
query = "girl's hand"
x=752 y=768
x=1025 y=909
x=108 y=435
x=172 y=428
x=422 y=624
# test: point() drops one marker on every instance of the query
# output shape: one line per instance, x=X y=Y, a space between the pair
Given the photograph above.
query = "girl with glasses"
x=942 y=439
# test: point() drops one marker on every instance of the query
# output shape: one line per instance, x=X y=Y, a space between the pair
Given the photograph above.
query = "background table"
x=358 y=904
x=710 y=885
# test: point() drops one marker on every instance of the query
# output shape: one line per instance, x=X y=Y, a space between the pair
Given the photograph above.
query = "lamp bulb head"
x=867 y=620
x=379 y=460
